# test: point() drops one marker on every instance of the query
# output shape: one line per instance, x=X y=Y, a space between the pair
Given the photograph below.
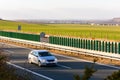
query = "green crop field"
x=70 y=30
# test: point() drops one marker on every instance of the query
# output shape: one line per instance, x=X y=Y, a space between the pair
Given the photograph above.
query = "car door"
x=35 y=57
x=31 y=55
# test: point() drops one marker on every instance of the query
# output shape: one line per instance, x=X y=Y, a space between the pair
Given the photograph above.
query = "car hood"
x=48 y=57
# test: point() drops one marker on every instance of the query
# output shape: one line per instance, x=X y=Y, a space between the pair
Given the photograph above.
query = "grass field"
x=71 y=30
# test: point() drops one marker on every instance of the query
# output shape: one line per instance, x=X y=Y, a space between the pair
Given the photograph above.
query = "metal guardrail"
x=65 y=48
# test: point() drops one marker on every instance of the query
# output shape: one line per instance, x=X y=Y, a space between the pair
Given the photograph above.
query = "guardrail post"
x=91 y=45
x=109 y=47
x=73 y=42
x=88 y=44
x=60 y=41
x=57 y=40
x=64 y=41
x=77 y=43
x=54 y=40
x=119 y=47
x=70 y=42
x=112 y=47
x=81 y=43
x=115 y=47
x=51 y=39
x=99 y=45
x=94 y=45
x=103 y=46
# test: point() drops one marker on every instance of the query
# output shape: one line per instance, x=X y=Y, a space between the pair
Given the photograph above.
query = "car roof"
x=39 y=50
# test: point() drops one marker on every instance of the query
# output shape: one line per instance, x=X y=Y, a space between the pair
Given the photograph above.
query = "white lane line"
x=33 y=49
x=37 y=74
x=86 y=61
x=9 y=51
x=64 y=66
x=73 y=58
x=57 y=64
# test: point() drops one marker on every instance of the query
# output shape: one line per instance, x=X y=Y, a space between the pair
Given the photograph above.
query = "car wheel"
x=39 y=63
x=29 y=60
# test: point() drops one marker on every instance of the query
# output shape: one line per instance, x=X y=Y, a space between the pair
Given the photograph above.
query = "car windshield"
x=43 y=54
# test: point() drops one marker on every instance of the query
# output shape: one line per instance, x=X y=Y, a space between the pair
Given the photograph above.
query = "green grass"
x=71 y=30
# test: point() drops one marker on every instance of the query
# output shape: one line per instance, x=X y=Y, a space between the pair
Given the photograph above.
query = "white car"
x=41 y=57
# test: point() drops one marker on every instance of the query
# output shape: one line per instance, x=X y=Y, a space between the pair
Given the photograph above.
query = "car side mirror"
x=36 y=56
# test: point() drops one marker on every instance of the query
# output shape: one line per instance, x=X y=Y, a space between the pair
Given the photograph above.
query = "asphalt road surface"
x=65 y=70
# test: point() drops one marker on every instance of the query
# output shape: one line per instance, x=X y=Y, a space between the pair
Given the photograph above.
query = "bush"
x=87 y=73
x=90 y=70
x=114 y=76
x=8 y=72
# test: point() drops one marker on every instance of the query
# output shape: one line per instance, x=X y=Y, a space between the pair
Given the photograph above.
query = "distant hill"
x=110 y=21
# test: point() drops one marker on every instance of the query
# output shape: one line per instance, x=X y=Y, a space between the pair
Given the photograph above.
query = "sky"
x=59 y=9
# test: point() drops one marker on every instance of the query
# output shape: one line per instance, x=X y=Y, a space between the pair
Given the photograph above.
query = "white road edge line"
x=72 y=58
x=33 y=49
x=64 y=66
x=40 y=75
x=57 y=64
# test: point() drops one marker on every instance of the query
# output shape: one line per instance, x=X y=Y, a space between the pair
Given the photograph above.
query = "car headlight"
x=43 y=60
x=55 y=59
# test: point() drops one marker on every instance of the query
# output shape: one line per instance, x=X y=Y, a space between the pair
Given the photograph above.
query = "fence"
x=97 y=45
x=32 y=37
x=103 y=46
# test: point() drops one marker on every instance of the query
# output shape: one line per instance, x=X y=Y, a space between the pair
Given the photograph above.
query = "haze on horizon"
x=59 y=9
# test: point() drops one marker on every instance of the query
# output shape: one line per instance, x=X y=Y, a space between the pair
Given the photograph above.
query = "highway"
x=65 y=70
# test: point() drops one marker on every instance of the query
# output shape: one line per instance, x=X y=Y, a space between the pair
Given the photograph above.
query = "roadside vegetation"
x=114 y=76
x=70 y=30
x=87 y=73
x=90 y=70
x=8 y=72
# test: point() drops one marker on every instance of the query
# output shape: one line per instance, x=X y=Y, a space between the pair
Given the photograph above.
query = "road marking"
x=86 y=61
x=33 y=49
x=64 y=66
x=40 y=75
x=9 y=51
x=72 y=58
x=64 y=60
